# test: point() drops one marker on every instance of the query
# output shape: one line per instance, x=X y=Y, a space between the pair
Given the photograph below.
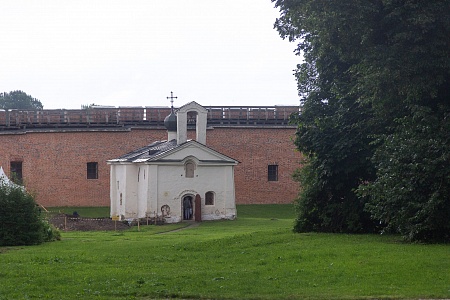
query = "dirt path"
x=192 y=225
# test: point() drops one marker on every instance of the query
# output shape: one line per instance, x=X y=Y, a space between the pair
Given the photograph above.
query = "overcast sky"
x=134 y=53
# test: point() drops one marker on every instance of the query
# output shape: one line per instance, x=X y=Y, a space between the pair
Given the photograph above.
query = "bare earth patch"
x=71 y=223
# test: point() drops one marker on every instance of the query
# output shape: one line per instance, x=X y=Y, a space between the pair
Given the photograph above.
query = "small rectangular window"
x=16 y=172
x=92 y=170
x=272 y=172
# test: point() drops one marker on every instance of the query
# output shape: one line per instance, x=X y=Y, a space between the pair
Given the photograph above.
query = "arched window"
x=209 y=198
x=189 y=168
x=191 y=118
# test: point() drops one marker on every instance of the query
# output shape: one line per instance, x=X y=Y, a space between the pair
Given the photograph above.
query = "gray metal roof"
x=148 y=151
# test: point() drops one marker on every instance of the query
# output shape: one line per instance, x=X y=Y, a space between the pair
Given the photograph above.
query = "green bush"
x=51 y=233
x=20 y=219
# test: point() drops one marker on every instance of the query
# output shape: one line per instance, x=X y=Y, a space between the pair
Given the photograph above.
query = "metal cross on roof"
x=171 y=98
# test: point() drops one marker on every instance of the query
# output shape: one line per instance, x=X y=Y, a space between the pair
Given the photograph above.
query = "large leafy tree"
x=369 y=68
x=334 y=126
x=19 y=100
x=333 y=135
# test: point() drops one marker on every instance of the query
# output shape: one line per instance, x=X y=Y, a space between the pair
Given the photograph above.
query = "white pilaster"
x=182 y=128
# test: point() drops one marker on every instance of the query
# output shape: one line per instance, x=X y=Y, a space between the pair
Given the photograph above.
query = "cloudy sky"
x=134 y=53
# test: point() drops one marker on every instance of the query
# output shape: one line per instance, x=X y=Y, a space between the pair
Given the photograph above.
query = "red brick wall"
x=255 y=149
x=54 y=163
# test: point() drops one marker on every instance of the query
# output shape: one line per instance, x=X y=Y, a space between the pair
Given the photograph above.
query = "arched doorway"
x=188 y=207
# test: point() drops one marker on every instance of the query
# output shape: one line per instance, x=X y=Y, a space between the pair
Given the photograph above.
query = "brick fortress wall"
x=54 y=160
x=255 y=149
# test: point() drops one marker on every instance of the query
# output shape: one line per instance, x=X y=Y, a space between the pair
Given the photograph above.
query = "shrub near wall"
x=20 y=221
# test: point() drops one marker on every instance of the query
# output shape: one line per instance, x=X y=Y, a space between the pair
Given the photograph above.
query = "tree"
x=19 y=100
x=333 y=135
x=334 y=127
x=368 y=67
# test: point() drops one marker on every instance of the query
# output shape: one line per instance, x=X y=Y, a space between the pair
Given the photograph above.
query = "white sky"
x=134 y=53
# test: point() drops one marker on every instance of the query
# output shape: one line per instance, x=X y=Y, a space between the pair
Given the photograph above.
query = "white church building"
x=177 y=179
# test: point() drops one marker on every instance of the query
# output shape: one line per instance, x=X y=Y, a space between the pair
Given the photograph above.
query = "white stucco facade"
x=160 y=180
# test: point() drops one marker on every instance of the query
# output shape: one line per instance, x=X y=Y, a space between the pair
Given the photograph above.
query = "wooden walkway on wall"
x=14 y=119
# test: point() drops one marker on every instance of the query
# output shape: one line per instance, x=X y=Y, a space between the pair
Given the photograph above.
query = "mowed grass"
x=85 y=212
x=256 y=256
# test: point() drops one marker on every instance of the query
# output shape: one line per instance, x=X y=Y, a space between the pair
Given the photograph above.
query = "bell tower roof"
x=170 y=122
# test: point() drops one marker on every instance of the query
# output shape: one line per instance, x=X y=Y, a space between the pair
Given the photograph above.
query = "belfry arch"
x=192 y=109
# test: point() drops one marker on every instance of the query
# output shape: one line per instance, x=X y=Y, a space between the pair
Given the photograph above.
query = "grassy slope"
x=254 y=257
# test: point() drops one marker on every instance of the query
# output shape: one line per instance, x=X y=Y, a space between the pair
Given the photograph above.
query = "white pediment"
x=192 y=106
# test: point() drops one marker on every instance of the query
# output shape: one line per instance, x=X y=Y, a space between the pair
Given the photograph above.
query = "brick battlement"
x=98 y=117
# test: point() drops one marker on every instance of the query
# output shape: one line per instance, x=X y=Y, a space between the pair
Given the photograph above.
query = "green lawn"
x=86 y=212
x=256 y=256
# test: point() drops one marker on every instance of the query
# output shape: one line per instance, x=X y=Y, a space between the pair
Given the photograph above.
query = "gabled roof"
x=165 y=151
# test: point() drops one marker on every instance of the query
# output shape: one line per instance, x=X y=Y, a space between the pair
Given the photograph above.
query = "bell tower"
x=182 y=120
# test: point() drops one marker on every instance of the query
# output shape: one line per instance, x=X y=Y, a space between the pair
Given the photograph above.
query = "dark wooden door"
x=198 y=208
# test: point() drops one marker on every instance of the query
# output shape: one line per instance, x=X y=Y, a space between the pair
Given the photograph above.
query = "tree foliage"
x=334 y=138
x=20 y=220
x=372 y=70
x=412 y=191
x=19 y=100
